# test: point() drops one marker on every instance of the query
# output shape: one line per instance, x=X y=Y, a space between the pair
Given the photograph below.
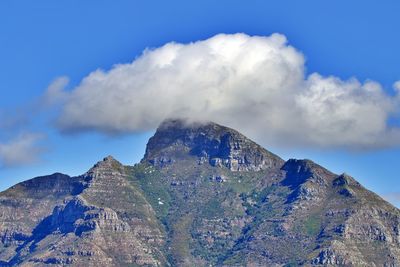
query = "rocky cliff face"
x=203 y=195
x=97 y=219
x=208 y=143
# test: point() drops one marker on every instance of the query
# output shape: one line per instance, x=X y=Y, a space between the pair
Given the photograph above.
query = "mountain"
x=203 y=195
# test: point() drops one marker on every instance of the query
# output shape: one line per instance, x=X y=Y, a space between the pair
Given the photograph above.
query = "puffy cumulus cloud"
x=21 y=150
x=256 y=84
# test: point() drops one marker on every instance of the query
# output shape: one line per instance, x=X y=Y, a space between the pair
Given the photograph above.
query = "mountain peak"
x=189 y=126
x=180 y=123
x=107 y=164
x=109 y=158
x=211 y=143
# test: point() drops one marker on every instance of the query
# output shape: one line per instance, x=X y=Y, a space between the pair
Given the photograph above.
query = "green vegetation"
x=180 y=239
x=149 y=180
x=312 y=225
x=117 y=166
x=235 y=260
x=256 y=202
x=292 y=263
x=243 y=183
x=212 y=209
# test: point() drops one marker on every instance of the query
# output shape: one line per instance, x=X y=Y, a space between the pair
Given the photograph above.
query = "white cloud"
x=55 y=93
x=253 y=83
x=22 y=150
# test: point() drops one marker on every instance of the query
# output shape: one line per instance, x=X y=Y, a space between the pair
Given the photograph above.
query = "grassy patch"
x=149 y=180
x=181 y=239
x=213 y=209
x=243 y=182
x=234 y=260
x=292 y=263
x=312 y=225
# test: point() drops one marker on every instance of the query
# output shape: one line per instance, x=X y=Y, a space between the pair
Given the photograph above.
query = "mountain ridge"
x=202 y=195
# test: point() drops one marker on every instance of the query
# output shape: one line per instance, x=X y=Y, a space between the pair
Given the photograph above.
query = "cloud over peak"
x=256 y=84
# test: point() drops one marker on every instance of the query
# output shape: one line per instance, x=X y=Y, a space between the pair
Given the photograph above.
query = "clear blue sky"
x=42 y=40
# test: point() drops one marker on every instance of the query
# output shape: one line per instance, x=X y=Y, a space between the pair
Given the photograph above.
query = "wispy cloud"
x=22 y=150
x=19 y=146
x=254 y=83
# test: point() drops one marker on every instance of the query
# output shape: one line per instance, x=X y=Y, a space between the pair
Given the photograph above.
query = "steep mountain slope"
x=99 y=219
x=203 y=195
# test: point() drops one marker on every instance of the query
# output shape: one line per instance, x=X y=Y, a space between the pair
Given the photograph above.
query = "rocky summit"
x=203 y=195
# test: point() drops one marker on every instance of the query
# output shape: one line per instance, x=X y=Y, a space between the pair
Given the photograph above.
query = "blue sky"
x=43 y=40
